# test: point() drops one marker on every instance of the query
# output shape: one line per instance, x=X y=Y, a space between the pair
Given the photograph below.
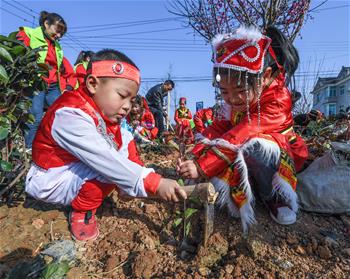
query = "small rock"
x=300 y=250
x=185 y=255
x=112 y=262
x=291 y=240
x=330 y=242
x=150 y=209
x=346 y=252
x=38 y=223
x=314 y=244
x=324 y=252
x=229 y=268
x=309 y=249
x=4 y=212
x=75 y=273
x=237 y=272
x=203 y=271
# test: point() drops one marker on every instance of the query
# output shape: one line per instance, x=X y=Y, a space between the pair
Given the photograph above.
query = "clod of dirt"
x=75 y=273
x=145 y=264
x=217 y=247
x=324 y=252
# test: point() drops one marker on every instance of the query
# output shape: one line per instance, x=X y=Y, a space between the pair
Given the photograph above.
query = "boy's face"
x=113 y=96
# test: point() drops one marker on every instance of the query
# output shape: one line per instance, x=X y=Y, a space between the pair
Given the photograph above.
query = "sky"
x=160 y=43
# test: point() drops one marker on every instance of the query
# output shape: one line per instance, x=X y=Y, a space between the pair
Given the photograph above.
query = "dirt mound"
x=138 y=240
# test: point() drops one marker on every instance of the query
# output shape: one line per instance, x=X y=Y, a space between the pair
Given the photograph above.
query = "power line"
x=24 y=6
x=18 y=8
x=123 y=23
x=119 y=26
x=14 y=14
x=132 y=33
x=331 y=8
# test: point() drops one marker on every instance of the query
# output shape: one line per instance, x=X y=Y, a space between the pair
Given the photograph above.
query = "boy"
x=80 y=153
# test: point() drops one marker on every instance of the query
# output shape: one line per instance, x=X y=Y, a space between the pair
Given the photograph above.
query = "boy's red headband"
x=115 y=69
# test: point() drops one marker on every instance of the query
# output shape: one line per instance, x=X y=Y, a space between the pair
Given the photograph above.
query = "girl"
x=52 y=28
x=184 y=122
x=142 y=121
x=80 y=66
x=252 y=141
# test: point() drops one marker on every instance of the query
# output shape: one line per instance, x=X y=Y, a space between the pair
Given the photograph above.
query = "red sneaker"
x=83 y=225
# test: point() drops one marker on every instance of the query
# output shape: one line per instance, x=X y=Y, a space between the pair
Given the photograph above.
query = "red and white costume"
x=202 y=119
x=237 y=148
x=80 y=156
x=183 y=119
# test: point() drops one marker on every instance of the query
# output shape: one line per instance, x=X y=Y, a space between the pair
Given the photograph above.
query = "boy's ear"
x=92 y=83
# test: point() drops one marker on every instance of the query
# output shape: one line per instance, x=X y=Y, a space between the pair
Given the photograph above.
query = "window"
x=341 y=90
x=332 y=91
x=332 y=109
x=318 y=97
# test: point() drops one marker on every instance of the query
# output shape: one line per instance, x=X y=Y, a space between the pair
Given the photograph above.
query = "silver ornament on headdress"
x=247 y=95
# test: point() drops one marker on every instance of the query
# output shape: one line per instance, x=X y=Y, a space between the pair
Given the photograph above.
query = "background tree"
x=211 y=17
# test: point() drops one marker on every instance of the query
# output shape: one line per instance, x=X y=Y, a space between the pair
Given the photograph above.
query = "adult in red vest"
x=51 y=28
x=81 y=153
x=80 y=66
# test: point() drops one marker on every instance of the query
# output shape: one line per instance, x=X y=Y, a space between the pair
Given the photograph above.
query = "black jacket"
x=155 y=97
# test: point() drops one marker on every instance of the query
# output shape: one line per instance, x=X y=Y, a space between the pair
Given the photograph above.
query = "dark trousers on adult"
x=159 y=119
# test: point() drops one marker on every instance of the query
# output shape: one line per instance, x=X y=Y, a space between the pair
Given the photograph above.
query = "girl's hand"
x=187 y=169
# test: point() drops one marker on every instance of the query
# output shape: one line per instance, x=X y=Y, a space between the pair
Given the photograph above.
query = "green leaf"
x=12 y=117
x=177 y=222
x=3 y=75
x=18 y=50
x=4 y=54
x=4 y=131
x=189 y=212
x=180 y=182
x=55 y=270
x=5 y=166
x=13 y=35
x=31 y=118
x=187 y=229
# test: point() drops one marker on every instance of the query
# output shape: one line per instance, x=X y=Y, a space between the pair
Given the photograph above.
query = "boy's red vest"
x=47 y=153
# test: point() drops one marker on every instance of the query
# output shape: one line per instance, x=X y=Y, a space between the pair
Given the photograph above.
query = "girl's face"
x=135 y=109
x=234 y=94
x=54 y=31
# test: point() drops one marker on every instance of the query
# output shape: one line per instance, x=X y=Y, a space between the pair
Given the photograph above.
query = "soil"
x=138 y=240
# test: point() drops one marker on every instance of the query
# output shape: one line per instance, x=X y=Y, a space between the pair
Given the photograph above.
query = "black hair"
x=52 y=18
x=110 y=54
x=286 y=54
x=83 y=55
x=169 y=81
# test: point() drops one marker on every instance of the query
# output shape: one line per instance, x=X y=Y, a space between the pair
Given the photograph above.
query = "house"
x=332 y=94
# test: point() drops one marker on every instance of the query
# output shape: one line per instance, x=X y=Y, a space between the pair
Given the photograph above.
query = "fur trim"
x=224 y=198
x=285 y=190
x=247 y=216
x=249 y=33
x=270 y=150
x=243 y=171
x=219 y=39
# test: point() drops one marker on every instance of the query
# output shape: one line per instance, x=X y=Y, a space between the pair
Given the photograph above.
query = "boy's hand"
x=170 y=190
x=187 y=169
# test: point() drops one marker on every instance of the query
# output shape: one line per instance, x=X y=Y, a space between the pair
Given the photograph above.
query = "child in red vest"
x=184 y=122
x=252 y=140
x=142 y=121
x=202 y=119
x=80 y=66
x=80 y=153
